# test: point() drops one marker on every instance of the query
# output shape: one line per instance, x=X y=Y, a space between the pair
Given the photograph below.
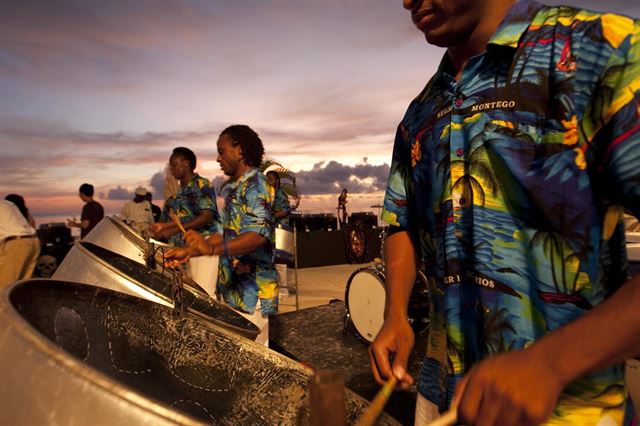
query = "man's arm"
x=492 y=393
x=245 y=243
x=204 y=217
x=396 y=336
x=83 y=224
x=167 y=229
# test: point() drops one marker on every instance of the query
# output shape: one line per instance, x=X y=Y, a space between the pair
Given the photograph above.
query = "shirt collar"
x=245 y=176
x=509 y=32
x=515 y=23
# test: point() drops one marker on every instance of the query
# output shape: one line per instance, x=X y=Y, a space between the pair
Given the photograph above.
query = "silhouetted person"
x=92 y=211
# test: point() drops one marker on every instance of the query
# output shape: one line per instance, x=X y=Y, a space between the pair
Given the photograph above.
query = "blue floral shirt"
x=281 y=203
x=242 y=280
x=512 y=182
x=196 y=196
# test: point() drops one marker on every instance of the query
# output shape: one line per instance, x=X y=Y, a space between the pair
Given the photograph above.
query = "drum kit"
x=365 y=297
x=113 y=338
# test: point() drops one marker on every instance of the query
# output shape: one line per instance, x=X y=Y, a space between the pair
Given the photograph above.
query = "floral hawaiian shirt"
x=242 y=280
x=281 y=203
x=190 y=200
x=512 y=182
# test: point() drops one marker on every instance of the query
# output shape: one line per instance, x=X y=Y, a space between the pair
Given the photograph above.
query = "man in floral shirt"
x=244 y=240
x=195 y=206
x=510 y=173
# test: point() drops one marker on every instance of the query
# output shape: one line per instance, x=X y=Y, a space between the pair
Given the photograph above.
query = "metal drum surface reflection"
x=75 y=354
x=115 y=235
x=87 y=263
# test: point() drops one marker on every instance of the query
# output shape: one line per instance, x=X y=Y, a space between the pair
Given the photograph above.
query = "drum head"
x=365 y=302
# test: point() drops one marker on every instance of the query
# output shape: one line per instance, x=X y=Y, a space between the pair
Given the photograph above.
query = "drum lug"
x=345 y=324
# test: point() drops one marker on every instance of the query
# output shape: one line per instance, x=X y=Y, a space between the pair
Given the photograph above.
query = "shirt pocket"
x=540 y=176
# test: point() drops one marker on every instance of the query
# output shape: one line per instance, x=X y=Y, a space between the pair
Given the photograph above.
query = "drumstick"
x=371 y=414
x=175 y=220
x=447 y=419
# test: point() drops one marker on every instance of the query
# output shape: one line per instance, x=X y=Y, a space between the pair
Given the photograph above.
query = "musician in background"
x=342 y=207
x=194 y=204
x=281 y=207
x=247 y=278
x=281 y=210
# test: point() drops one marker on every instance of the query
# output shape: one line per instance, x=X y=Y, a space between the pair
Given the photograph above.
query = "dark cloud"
x=157 y=185
x=119 y=193
x=331 y=177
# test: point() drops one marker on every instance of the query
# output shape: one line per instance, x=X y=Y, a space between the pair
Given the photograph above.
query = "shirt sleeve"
x=284 y=202
x=396 y=201
x=616 y=109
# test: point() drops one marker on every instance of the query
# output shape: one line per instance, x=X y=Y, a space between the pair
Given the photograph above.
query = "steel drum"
x=74 y=354
x=115 y=235
x=87 y=263
x=285 y=248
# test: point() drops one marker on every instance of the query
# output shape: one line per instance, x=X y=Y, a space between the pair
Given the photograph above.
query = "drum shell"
x=82 y=266
x=285 y=247
x=46 y=380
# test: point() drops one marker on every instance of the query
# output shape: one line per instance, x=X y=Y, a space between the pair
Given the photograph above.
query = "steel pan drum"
x=75 y=354
x=87 y=263
x=115 y=235
x=285 y=245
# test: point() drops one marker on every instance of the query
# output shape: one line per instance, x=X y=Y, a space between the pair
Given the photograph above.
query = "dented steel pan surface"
x=87 y=263
x=75 y=354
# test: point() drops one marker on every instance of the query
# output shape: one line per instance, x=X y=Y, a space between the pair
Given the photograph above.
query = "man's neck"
x=184 y=180
x=477 y=41
x=241 y=170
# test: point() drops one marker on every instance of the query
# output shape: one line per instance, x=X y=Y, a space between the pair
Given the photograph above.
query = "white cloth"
x=262 y=322
x=204 y=271
x=426 y=411
x=133 y=212
x=12 y=223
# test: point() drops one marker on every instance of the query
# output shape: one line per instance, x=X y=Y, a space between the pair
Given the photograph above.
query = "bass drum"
x=365 y=296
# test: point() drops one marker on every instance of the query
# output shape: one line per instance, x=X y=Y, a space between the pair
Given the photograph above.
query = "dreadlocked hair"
x=249 y=142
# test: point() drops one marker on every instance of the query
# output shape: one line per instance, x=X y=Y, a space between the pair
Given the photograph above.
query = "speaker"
x=53 y=234
x=368 y=219
x=314 y=222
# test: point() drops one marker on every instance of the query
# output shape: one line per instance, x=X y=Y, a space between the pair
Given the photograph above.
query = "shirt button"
x=459 y=152
x=457 y=233
x=458 y=102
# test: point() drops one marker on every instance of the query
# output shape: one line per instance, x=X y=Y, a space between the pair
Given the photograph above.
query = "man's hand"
x=177 y=256
x=513 y=388
x=395 y=338
x=197 y=243
x=161 y=229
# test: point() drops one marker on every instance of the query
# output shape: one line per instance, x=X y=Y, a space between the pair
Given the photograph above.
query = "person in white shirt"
x=137 y=212
x=19 y=245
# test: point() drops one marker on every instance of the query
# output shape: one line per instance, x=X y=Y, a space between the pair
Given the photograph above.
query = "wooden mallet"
x=370 y=415
x=175 y=220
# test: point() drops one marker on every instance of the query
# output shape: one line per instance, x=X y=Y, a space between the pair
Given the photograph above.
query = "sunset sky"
x=102 y=91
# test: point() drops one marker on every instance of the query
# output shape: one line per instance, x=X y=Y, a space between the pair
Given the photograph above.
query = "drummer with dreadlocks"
x=247 y=278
